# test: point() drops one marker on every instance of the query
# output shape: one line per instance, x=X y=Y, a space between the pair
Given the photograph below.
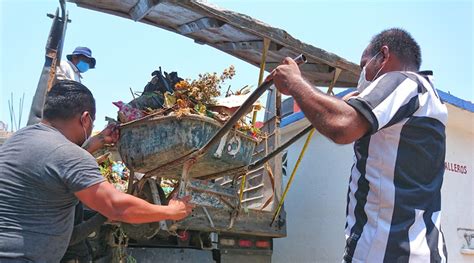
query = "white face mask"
x=85 y=134
x=84 y=129
x=363 y=82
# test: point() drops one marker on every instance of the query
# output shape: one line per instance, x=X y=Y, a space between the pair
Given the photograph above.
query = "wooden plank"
x=200 y=24
x=277 y=35
x=236 y=28
x=142 y=8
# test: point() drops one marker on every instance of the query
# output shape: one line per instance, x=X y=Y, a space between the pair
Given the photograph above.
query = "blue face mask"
x=82 y=66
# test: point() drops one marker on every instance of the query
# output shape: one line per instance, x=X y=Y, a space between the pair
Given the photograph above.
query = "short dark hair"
x=400 y=42
x=66 y=99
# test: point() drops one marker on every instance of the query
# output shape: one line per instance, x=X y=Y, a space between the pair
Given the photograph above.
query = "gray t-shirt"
x=40 y=170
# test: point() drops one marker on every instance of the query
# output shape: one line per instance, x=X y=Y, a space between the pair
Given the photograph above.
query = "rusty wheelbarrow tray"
x=160 y=142
x=192 y=148
x=194 y=141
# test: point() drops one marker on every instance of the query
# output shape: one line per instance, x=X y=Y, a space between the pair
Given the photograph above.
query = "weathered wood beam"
x=142 y=8
x=200 y=24
x=247 y=45
x=308 y=67
x=248 y=24
x=245 y=24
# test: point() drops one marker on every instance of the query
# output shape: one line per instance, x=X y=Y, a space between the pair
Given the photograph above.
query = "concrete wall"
x=316 y=202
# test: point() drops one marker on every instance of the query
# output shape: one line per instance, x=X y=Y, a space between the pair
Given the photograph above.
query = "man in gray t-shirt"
x=37 y=191
x=44 y=172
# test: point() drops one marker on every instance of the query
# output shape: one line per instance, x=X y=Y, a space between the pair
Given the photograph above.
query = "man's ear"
x=386 y=53
x=84 y=117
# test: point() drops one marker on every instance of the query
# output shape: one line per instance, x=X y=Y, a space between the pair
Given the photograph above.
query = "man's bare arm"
x=331 y=116
x=109 y=135
x=118 y=206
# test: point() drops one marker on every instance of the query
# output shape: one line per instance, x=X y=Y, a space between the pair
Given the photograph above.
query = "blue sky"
x=127 y=52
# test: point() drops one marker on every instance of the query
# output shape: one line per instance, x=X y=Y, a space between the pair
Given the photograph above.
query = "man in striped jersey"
x=397 y=123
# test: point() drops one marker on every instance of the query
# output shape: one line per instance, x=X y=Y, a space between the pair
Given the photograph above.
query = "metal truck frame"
x=205 y=236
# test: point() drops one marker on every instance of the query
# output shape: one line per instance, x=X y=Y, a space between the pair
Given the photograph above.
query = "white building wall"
x=316 y=202
x=458 y=186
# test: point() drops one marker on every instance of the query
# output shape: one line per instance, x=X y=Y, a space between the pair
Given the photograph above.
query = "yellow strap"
x=242 y=186
x=308 y=139
x=266 y=45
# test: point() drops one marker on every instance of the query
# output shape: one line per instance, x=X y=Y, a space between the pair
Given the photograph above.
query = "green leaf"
x=170 y=100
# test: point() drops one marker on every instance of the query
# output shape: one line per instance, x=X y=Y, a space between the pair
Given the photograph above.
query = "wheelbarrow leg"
x=157 y=200
x=131 y=177
x=185 y=177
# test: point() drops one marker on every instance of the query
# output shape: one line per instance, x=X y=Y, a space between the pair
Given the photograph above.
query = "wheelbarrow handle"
x=301 y=59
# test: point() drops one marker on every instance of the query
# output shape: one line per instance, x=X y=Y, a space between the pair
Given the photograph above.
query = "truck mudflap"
x=245 y=255
x=169 y=255
x=176 y=255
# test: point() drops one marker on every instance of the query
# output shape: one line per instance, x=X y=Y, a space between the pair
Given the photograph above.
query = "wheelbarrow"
x=152 y=146
x=194 y=149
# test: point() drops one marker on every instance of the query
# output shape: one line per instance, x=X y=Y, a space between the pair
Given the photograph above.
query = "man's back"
x=39 y=172
x=394 y=198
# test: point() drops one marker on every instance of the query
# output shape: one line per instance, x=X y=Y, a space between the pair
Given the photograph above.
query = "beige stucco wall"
x=458 y=185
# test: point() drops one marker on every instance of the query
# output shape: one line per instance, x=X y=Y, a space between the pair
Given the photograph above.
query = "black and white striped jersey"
x=394 y=196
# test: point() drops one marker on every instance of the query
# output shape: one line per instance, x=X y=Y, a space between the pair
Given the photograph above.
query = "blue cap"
x=85 y=51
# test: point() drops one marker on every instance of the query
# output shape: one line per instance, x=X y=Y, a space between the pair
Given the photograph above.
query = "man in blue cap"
x=78 y=62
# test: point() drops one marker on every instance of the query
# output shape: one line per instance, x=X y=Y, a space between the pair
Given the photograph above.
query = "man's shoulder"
x=37 y=133
x=78 y=168
x=403 y=82
x=416 y=77
x=65 y=63
x=48 y=134
x=395 y=77
x=67 y=70
x=69 y=150
x=66 y=67
x=46 y=138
